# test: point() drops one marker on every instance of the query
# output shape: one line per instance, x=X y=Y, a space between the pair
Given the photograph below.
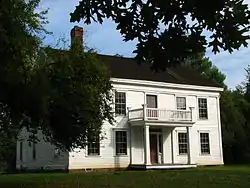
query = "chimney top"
x=76 y=33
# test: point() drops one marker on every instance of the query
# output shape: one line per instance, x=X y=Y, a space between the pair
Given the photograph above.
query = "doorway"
x=156 y=148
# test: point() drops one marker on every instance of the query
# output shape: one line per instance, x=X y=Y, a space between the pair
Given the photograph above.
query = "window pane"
x=204 y=141
x=202 y=108
x=182 y=141
x=121 y=142
x=120 y=103
x=181 y=103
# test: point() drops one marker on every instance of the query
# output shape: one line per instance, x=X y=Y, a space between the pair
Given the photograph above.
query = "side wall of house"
x=41 y=156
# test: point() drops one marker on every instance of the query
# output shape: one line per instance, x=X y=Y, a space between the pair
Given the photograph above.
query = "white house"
x=163 y=120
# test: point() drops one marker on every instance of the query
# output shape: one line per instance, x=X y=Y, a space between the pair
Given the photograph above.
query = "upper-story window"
x=120 y=103
x=202 y=104
x=181 y=103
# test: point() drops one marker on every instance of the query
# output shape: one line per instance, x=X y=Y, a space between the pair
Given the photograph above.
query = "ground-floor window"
x=121 y=142
x=204 y=141
x=94 y=146
x=183 y=143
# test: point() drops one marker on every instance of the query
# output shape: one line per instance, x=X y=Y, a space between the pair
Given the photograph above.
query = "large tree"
x=170 y=30
x=63 y=93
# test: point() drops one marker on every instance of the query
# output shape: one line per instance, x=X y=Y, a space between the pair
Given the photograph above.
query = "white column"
x=147 y=146
x=188 y=146
x=172 y=147
x=130 y=145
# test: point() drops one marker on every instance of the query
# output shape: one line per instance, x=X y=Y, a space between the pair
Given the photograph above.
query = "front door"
x=153 y=148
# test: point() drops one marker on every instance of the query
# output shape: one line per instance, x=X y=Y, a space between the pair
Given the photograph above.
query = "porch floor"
x=162 y=166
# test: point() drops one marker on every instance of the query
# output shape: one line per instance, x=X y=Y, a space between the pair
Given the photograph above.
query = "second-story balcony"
x=160 y=116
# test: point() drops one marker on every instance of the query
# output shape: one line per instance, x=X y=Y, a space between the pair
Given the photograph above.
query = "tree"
x=172 y=30
x=79 y=97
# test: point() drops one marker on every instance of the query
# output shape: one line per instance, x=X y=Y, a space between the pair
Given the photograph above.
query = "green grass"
x=212 y=177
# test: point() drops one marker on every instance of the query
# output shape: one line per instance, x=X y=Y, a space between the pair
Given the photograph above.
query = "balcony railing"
x=160 y=115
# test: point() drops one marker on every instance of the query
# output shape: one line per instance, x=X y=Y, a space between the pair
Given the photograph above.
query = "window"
x=202 y=108
x=182 y=141
x=181 y=103
x=121 y=142
x=94 y=146
x=120 y=103
x=34 y=151
x=56 y=152
x=204 y=141
x=21 y=151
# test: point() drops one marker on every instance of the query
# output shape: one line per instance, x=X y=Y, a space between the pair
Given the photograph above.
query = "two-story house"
x=164 y=120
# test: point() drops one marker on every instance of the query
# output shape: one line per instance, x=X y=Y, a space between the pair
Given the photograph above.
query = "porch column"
x=188 y=146
x=172 y=147
x=147 y=146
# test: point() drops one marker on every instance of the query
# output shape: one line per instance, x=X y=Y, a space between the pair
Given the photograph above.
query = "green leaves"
x=182 y=22
x=78 y=98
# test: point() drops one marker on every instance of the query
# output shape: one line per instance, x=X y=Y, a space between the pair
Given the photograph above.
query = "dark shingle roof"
x=128 y=68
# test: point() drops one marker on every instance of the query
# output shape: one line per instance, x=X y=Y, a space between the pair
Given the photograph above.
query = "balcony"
x=160 y=116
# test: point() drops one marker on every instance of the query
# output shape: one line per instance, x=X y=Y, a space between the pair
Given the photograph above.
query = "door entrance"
x=156 y=146
x=153 y=148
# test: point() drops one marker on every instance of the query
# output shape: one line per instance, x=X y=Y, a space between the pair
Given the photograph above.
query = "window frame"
x=21 y=151
x=89 y=147
x=120 y=103
x=115 y=142
x=34 y=151
x=200 y=143
x=178 y=133
x=199 y=113
x=176 y=102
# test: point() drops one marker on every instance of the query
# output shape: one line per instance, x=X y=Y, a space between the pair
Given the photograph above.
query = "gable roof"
x=128 y=68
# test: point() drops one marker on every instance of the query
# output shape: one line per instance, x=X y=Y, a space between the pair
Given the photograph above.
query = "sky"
x=107 y=40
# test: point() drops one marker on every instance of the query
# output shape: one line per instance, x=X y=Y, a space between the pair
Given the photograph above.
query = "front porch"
x=155 y=133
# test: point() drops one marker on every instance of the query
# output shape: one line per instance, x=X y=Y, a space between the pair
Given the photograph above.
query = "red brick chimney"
x=77 y=34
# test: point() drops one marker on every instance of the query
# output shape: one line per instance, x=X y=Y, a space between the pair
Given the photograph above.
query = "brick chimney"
x=77 y=34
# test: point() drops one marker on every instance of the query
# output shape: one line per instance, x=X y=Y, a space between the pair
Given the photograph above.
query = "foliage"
x=206 y=177
x=79 y=97
x=172 y=30
x=205 y=67
x=65 y=94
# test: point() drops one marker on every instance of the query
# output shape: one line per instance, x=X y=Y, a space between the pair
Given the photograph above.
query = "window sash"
x=120 y=103
x=121 y=142
x=181 y=103
x=202 y=104
x=182 y=143
x=204 y=143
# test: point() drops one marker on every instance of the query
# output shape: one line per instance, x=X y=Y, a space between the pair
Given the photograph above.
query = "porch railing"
x=160 y=114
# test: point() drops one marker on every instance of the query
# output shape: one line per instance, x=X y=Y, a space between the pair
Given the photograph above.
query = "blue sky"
x=107 y=40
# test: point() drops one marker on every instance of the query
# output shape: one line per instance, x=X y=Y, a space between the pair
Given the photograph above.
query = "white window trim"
x=199 y=141
x=198 y=115
x=177 y=141
x=114 y=142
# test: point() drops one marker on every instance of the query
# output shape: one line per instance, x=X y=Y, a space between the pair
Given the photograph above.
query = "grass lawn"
x=212 y=177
